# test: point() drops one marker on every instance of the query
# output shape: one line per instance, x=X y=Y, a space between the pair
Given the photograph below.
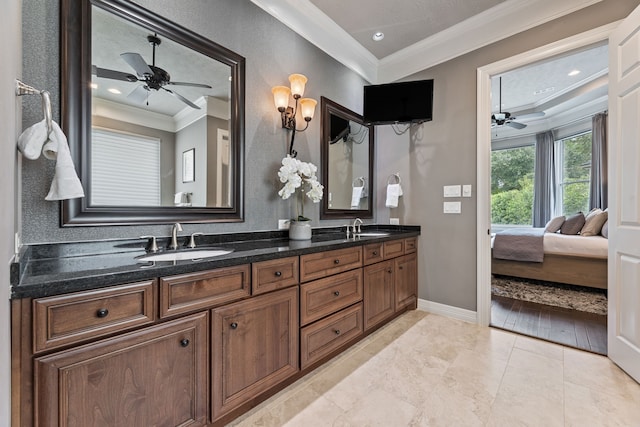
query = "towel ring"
x=394 y=176
x=361 y=179
x=25 y=89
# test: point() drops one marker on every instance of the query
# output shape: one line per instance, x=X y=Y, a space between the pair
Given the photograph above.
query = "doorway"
x=484 y=149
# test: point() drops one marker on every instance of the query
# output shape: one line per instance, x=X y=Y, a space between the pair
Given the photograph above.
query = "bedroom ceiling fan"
x=152 y=77
x=504 y=118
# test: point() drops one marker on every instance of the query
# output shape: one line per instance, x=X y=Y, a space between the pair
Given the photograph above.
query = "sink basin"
x=372 y=234
x=182 y=255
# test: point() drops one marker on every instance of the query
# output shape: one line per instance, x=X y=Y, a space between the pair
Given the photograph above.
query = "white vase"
x=299 y=230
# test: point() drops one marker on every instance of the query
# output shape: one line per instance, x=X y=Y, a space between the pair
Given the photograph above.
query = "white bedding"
x=587 y=246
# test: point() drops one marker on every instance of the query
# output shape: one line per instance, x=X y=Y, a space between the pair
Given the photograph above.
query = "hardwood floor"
x=578 y=329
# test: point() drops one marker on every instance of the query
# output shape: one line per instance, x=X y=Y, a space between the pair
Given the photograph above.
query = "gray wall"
x=438 y=153
x=272 y=52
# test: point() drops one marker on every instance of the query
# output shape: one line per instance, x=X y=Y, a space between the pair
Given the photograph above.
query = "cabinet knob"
x=336 y=261
x=337 y=293
x=400 y=267
x=375 y=253
x=102 y=313
x=389 y=271
x=278 y=273
x=337 y=331
x=234 y=325
x=184 y=342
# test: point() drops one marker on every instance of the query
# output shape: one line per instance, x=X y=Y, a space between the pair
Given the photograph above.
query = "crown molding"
x=129 y=114
x=308 y=21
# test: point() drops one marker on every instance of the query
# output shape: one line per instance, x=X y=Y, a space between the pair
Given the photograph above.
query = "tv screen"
x=398 y=102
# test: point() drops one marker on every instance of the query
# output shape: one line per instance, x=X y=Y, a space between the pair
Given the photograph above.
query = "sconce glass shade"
x=281 y=97
x=297 y=84
x=308 y=107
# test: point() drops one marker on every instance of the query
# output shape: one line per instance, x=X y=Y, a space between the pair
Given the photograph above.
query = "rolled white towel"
x=356 y=195
x=31 y=140
x=65 y=183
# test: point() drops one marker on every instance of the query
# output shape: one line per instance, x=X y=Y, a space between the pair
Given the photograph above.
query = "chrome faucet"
x=174 y=235
x=357 y=222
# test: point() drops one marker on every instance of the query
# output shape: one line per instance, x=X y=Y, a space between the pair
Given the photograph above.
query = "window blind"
x=125 y=169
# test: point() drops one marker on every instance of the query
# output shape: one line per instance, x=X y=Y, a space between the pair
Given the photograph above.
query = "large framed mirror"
x=154 y=115
x=347 y=163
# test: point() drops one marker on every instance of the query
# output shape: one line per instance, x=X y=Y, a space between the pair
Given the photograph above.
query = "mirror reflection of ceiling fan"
x=152 y=77
x=504 y=118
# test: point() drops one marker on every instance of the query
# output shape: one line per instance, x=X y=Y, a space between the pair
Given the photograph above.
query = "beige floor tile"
x=541 y=347
x=588 y=407
x=377 y=408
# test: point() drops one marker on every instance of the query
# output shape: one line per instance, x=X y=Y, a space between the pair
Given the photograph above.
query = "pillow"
x=605 y=229
x=554 y=224
x=593 y=222
x=573 y=224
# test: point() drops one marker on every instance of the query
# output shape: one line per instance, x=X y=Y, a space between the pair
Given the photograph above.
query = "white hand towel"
x=356 y=195
x=65 y=184
x=31 y=140
x=393 y=193
x=178 y=198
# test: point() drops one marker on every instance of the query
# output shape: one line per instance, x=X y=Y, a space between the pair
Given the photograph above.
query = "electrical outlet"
x=283 y=224
x=394 y=221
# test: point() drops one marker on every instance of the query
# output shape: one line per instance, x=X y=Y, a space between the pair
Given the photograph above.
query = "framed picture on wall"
x=188 y=165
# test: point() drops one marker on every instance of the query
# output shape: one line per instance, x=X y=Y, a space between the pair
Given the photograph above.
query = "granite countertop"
x=53 y=269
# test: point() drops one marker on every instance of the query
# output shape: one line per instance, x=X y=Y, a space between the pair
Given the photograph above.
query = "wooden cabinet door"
x=379 y=298
x=406 y=272
x=154 y=376
x=254 y=347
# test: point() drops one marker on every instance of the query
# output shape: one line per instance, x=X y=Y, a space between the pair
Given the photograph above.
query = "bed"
x=571 y=259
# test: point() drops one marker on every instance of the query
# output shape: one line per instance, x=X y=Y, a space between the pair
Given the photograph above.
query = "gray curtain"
x=544 y=185
x=598 y=192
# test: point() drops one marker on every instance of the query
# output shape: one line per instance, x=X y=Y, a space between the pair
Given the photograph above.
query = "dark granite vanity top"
x=52 y=269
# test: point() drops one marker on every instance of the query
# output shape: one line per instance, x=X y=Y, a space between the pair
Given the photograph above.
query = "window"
x=512 y=185
x=573 y=173
x=125 y=169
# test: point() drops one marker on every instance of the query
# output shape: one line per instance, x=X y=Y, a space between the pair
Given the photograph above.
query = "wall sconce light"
x=281 y=96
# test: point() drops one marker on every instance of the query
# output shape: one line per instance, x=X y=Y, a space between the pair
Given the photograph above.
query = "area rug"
x=555 y=294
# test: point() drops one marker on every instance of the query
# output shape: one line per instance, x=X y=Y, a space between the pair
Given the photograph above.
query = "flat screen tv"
x=403 y=102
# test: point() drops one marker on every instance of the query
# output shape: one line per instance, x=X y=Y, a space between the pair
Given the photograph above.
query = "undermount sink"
x=182 y=255
x=371 y=234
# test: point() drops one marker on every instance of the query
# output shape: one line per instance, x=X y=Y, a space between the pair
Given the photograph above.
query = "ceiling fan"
x=152 y=77
x=504 y=118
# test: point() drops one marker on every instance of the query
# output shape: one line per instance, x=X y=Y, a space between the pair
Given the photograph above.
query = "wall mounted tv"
x=403 y=102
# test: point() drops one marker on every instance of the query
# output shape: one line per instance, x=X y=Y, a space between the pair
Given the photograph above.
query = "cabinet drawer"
x=372 y=253
x=326 y=296
x=410 y=245
x=67 y=319
x=268 y=276
x=393 y=248
x=325 y=336
x=194 y=291
x=322 y=264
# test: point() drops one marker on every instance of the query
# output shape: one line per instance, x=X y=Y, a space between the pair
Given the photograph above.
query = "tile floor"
x=427 y=370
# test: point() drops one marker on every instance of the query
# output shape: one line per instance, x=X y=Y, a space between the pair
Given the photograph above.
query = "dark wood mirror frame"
x=76 y=114
x=328 y=108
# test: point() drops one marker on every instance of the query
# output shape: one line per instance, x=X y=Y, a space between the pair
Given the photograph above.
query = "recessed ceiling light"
x=378 y=36
x=115 y=91
x=574 y=73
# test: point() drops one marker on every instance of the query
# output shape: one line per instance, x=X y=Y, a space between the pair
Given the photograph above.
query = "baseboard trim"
x=447 y=311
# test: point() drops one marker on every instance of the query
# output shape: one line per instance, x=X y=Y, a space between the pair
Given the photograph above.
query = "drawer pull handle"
x=337 y=293
x=375 y=253
x=336 y=261
x=102 y=313
x=278 y=273
x=184 y=342
x=234 y=325
x=337 y=331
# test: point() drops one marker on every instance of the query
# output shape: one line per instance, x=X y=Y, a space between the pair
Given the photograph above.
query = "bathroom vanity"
x=194 y=342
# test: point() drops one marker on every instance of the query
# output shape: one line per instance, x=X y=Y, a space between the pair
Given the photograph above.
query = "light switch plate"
x=452 y=207
x=283 y=224
x=394 y=221
x=466 y=190
x=451 y=191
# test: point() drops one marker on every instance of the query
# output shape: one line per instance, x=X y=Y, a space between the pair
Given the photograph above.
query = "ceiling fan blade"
x=139 y=94
x=113 y=74
x=182 y=98
x=516 y=125
x=189 y=84
x=136 y=62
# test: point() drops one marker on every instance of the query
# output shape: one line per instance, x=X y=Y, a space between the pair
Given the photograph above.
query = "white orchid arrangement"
x=299 y=178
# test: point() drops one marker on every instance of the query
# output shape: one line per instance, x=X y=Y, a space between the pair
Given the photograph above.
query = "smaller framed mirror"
x=347 y=163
